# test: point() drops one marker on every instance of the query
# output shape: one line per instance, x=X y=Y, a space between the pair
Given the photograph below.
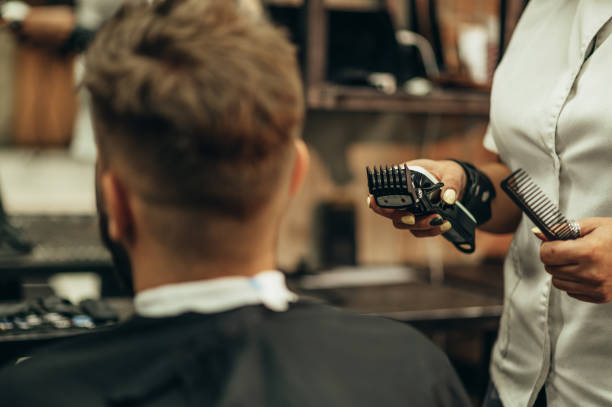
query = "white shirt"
x=551 y=114
x=216 y=295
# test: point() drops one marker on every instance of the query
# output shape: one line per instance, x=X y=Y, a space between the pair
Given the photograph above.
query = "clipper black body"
x=415 y=190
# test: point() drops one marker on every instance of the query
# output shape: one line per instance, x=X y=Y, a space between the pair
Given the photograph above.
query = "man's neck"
x=200 y=246
x=155 y=271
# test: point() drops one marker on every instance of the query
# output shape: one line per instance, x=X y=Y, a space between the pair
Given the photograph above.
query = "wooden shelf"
x=331 y=4
x=361 y=99
x=284 y=3
x=323 y=95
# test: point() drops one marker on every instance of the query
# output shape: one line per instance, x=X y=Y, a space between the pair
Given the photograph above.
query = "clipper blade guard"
x=390 y=187
x=415 y=190
x=536 y=205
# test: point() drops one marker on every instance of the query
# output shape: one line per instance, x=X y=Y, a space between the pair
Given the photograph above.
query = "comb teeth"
x=387 y=181
x=536 y=205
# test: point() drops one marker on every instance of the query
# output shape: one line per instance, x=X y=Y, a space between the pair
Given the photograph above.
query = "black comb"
x=536 y=205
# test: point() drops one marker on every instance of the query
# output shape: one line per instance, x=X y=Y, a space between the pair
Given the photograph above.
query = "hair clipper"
x=414 y=189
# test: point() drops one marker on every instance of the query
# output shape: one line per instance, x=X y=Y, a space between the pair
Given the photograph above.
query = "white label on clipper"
x=435 y=181
x=423 y=171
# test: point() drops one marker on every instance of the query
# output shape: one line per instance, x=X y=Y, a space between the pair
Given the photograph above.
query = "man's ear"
x=117 y=206
x=300 y=166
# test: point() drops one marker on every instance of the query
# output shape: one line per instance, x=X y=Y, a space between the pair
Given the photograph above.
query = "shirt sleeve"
x=489 y=142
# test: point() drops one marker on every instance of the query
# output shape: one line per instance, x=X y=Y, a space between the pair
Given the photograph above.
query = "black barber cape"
x=311 y=355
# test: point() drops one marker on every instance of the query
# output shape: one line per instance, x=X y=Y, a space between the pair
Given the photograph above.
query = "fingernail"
x=408 y=220
x=437 y=221
x=369 y=202
x=446 y=226
x=450 y=196
x=538 y=233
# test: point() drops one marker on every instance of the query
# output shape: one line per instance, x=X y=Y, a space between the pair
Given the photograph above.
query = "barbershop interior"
x=384 y=83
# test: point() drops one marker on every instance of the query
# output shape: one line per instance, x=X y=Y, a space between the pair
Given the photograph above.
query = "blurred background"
x=386 y=81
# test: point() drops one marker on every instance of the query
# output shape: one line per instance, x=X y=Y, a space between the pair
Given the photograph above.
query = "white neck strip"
x=216 y=295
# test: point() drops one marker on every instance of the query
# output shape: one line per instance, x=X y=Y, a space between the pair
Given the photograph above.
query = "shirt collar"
x=216 y=295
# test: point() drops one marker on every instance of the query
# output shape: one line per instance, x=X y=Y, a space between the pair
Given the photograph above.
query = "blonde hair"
x=198 y=99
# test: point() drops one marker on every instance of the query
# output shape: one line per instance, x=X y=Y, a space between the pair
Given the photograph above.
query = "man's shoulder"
x=320 y=331
x=92 y=367
x=369 y=359
x=314 y=319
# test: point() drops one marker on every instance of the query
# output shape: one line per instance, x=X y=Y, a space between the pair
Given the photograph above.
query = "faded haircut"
x=198 y=100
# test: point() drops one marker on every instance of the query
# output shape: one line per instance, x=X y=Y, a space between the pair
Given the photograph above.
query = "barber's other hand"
x=49 y=25
x=448 y=172
x=583 y=267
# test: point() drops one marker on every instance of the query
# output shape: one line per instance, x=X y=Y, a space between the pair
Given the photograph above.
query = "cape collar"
x=216 y=295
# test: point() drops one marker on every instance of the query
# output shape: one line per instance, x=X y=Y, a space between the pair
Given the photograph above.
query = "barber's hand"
x=582 y=267
x=448 y=172
x=49 y=25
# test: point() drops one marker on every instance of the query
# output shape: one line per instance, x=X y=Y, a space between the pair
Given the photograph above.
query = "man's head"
x=197 y=109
